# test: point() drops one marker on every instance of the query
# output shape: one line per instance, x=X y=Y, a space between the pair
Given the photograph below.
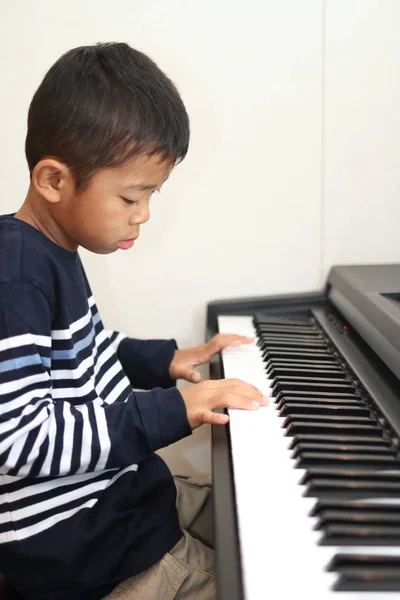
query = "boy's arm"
x=44 y=429
x=145 y=362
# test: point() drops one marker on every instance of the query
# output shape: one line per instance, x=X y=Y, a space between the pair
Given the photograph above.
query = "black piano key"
x=360 y=535
x=314 y=381
x=313 y=373
x=374 y=473
x=283 y=327
x=321 y=447
x=369 y=506
x=261 y=318
x=332 y=429
x=316 y=418
x=317 y=396
x=282 y=330
x=285 y=385
x=368 y=581
x=298 y=339
x=285 y=324
x=300 y=363
x=368 y=561
x=270 y=352
x=273 y=338
x=352 y=410
x=352 y=461
x=307 y=395
x=281 y=354
x=342 y=439
x=369 y=573
x=341 y=517
x=343 y=488
x=289 y=343
x=316 y=401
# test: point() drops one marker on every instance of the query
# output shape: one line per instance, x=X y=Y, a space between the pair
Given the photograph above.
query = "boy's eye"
x=129 y=202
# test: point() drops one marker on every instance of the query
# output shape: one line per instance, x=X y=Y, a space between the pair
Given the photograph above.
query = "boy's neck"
x=35 y=211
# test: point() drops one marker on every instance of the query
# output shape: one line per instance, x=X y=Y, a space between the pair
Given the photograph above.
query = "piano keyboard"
x=317 y=480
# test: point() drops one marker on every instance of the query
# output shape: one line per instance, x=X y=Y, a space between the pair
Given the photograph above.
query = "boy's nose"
x=140 y=217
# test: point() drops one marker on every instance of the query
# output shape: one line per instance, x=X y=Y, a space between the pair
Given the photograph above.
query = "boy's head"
x=105 y=123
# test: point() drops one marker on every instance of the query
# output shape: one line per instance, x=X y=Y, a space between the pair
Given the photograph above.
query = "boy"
x=86 y=505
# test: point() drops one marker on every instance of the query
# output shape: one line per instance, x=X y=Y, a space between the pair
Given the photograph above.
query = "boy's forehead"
x=146 y=172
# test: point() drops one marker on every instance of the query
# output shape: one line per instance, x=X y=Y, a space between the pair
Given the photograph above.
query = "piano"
x=307 y=489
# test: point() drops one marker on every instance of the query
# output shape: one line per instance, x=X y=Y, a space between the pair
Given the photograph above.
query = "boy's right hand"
x=203 y=398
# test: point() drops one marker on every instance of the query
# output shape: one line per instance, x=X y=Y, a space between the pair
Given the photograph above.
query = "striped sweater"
x=85 y=502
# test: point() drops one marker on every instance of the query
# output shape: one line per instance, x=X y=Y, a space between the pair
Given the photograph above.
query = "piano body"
x=307 y=490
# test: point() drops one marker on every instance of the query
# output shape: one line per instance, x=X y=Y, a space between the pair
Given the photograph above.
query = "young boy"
x=86 y=505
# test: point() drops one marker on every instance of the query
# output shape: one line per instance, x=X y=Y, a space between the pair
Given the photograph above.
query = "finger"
x=230 y=400
x=224 y=340
x=238 y=387
x=241 y=341
x=241 y=388
x=215 y=418
x=194 y=377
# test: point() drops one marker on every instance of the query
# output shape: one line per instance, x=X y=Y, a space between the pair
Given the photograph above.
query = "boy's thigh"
x=184 y=573
x=195 y=507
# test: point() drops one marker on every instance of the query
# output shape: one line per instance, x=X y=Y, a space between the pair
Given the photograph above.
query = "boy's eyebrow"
x=141 y=187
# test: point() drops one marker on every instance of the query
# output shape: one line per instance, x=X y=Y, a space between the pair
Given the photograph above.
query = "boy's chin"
x=100 y=250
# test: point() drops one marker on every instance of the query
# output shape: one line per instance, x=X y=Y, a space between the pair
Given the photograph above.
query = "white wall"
x=362 y=132
x=294 y=156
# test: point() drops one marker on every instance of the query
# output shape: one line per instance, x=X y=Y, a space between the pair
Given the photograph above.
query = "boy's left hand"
x=182 y=364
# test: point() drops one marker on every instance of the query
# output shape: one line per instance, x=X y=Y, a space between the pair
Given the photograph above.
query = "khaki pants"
x=186 y=572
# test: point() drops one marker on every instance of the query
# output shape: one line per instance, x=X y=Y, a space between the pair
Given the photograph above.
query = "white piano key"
x=279 y=548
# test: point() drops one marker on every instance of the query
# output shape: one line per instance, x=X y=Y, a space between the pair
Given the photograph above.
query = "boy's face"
x=108 y=213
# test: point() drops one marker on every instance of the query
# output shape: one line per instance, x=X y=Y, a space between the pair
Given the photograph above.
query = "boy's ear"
x=52 y=179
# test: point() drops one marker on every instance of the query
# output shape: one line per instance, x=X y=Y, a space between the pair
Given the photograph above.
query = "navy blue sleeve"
x=145 y=362
x=149 y=421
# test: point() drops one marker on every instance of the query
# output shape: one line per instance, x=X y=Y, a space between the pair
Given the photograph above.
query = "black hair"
x=99 y=106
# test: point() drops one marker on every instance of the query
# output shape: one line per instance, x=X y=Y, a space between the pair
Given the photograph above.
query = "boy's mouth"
x=126 y=244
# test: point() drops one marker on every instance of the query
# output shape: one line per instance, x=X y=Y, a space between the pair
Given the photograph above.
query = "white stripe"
x=117 y=391
x=50 y=521
x=34 y=453
x=115 y=343
x=66 y=393
x=7 y=536
x=14 y=386
x=108 y=375
x=47 y=523
x=120 y=473
x=104 y=437
x=26 y=339
x=50 y=503
x=15 y=452
x=51 y=437
x=88 y=362
x=87 y=439
x=107 y=353
x=23 y=431
x=41 y=487
x=74 y=374
x=68 y=441
x=21 y=401
x=65 y=334
x=91 y=301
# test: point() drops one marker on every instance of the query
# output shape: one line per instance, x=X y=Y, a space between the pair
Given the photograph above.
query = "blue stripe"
x=96 y=318
x=73 y=352
x=24 y=361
